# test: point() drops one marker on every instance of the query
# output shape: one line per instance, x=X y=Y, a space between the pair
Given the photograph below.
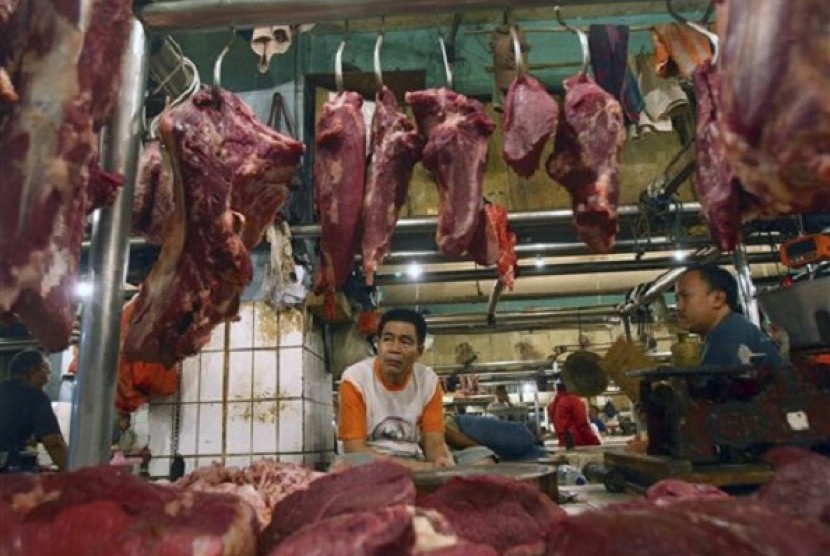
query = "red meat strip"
x=801 y=484
x=215 y=145
x=529 y=121
x=586 y=160
x=61 y=70
x=716 y=185
x=774 y=102
x=396 y=147
x=339 y=185
x=508 y=515
x=153 y=199
x=456 y=129
x=495 y=244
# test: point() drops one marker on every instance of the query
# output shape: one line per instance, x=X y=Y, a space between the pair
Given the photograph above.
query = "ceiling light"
x=679 y=255
x=539 y=262
x=528 y=387
x=83 y=289
x=414 y=270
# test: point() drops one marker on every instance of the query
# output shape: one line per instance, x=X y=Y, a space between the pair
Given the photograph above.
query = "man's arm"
x=436 y=450
x=458 y=439
x=56 y=446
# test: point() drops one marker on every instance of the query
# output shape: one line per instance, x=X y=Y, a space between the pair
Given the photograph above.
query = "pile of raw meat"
x=263 y=484
x=358 y=204
x=374 y=510
x=227 y=178
x=763 y=116
x=59 y=77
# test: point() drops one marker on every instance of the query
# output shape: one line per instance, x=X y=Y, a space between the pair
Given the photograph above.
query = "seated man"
x=509 y=440
x=502 y=399
x=707 y=304
x=570 y=419
x=390 y=405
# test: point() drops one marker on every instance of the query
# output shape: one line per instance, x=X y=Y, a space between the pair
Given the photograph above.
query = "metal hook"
x=338 y=60
x=713 y=38
x=217 y=66
x=447 y=68
x=378 y=45
x=583 y=40
x=517 y=50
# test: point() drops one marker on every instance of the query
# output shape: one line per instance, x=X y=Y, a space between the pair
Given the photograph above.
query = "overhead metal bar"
x=181 y=15
x=515 y=219
x=554 y=269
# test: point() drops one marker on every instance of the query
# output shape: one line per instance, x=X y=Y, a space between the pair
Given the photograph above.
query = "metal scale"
x=711 y=424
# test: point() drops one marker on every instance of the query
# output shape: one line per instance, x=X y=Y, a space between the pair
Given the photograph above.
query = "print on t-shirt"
x=395 y=428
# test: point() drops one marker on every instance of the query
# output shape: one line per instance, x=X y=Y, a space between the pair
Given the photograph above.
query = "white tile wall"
x=291 y=372
x=279 y=396
x=242 y=331
x=265 y=374
x=210 y=382
x=239 y=427
x=191 y=369
x=240 y=375
x=210 y=429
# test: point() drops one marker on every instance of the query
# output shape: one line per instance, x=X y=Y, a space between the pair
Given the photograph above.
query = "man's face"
x=398 y=348
x=698 y=306
x=40 y=377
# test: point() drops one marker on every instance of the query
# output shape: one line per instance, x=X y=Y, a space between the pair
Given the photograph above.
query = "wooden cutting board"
x=542 y=477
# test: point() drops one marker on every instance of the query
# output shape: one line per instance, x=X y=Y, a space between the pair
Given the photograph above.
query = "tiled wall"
x=277 y=401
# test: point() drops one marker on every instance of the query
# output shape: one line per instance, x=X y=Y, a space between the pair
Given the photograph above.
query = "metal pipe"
x=745 y=286
x=94 y=393
x=472 y=323
x=495 y=294
x=554 y=269
x=496 y=367
x=515 y=219
x=215 y=14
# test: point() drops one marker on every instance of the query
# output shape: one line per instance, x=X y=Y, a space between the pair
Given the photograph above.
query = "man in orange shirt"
x=392 y=406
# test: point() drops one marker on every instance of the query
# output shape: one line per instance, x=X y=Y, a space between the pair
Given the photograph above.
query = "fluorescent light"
x=84 y=289
x=414 y=270
x=679 y=255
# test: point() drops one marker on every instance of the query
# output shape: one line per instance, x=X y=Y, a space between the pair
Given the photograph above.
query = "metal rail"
x=214 y=14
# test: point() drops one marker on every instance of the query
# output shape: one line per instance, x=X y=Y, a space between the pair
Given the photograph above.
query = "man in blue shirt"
x=707 y=304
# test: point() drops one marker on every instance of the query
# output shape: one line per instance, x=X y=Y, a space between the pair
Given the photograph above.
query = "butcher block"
x=542 y=477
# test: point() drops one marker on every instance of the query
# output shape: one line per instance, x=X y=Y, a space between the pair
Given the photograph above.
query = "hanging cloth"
x=678 y=49
x=609 y=60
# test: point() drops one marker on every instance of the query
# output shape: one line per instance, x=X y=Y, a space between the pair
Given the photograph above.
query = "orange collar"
x=390 y=387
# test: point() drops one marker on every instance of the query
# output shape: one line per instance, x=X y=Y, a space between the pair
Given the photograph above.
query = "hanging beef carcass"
x=495 y=244
x=529 y=121
x=339 y=183
x=396 y=147
x=216 y=145
x=59 y=75
x=153 y=199
x=456 y=130
x=722 y=200
x=586 y=160
x=775 y=106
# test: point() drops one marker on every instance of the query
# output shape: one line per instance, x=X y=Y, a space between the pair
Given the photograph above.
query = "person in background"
x=124 y=438
x=593 y=415
x=502 y=399
x=26 y=411
x=570 y=419
x=508 y=440
x=707 y=304
x=390 y=405
x=609 y=410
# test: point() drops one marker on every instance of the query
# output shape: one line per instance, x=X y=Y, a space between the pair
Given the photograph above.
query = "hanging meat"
x=495 y=244
x=216 y=145
x=456 y=130
x=339 y=184
x=718 y=190
x=775 y=106
x=59 y=76
x=153 y=199
x=529 y=121
x=396 y=147
x=586 y=160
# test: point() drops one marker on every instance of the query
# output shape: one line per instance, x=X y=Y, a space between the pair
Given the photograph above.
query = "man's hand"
x=444 y=461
